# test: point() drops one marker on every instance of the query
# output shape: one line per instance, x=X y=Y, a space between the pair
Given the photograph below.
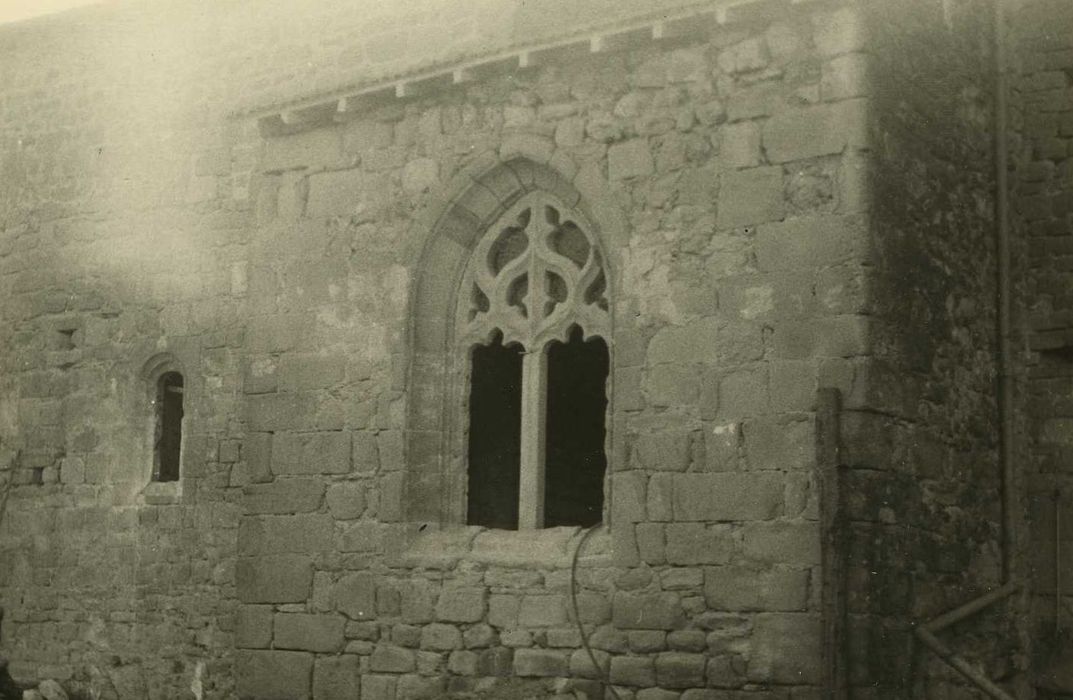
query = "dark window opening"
x=169 y=428
x=37 y=476
x=495 y=420
x=577 y=404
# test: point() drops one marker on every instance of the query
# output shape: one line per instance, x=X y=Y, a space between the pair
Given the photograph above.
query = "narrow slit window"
x=169 y=427
x=577 y=405
x=495 y=435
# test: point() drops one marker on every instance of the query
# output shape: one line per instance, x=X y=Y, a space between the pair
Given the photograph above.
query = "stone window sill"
x=550 y=548
x=162 y=493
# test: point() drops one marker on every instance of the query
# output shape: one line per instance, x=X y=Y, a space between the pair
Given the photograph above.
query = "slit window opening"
x=575 y=457
x=169 y=427
x=495 y=410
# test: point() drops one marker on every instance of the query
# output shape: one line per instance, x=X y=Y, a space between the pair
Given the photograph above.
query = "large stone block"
x=778 y=445
x=811 y=242
x=637 y=671
x=304 y=632
x=727 y=496
x=786 y=649
x=540 y=663
x=346 y=500
x=783 y=542
x=378 y=687
x=667 y=450
x=629 y=159
x=338 y=193
x=656 y=611
x=697 y=543
x=336 y=677
x=273 y=675
x=628 y=496
x=311 y=149
x=302 y=372
x=846 y=76
x=276 y=412
x=311 y=453
x=736 y=588
x=740 y=145
x=809 y=132
x=388 y=658
x=355 y=595
x=440 y=637
x=285 y=578
x=253 y=626
x=751 y=196
x=462 y=605
x=687 y=344
x=679 y=670
x=542 y=611
x=285 y=534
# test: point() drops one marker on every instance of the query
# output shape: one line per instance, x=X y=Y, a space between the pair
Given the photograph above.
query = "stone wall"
x=787 y=201
x=720 y=171
x=923 y=458
x=1043 y=82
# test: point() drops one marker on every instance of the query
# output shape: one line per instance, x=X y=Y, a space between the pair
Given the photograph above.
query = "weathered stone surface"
x=629 y=159
x=274 y=675
x=805 y=242
x=267 y=534
x=439 y=637
x=637 y=671
x=735 y=588
x=355 y=596
x=677 y=670
x=659 y=611
x=783 y=542
x=346 y=500
x=388 y=658
x=539 y=663
x=283 y=496
x=311 y=453
x=462 y=605
x=285 y=578
x=787 y=648
x=253 y=626
x=321 y=633
x=580 y=663
x=697 y=543
x=311 y=149
x=751 y=196
x=336 y=677
x=725 y=496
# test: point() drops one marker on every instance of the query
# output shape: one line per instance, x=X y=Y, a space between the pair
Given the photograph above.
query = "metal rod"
x=1057 y=558
x=972 y=607
x=1005 y=370
x=962 y=666
x=833 y=577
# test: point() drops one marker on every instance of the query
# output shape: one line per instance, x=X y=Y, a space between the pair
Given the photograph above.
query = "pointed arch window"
x=533 y=320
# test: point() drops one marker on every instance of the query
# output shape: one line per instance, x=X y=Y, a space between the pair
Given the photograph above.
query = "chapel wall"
x=725 y=175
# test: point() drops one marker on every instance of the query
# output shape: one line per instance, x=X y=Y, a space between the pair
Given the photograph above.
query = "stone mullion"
x=533 y=442
x=534 y=396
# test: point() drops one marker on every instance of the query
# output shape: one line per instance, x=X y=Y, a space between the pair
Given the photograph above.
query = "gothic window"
x=533 y=318
x=167 y=443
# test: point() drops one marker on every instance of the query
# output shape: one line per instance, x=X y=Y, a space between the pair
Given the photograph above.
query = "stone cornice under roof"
x=422 y=77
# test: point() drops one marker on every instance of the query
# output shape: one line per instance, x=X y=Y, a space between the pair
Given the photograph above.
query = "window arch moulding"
x=442 y=327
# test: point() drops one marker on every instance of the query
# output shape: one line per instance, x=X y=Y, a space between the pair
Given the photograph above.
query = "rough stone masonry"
x=791 y=200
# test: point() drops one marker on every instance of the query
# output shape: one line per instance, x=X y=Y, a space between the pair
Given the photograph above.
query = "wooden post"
x=833 y=576
x=534 y=430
